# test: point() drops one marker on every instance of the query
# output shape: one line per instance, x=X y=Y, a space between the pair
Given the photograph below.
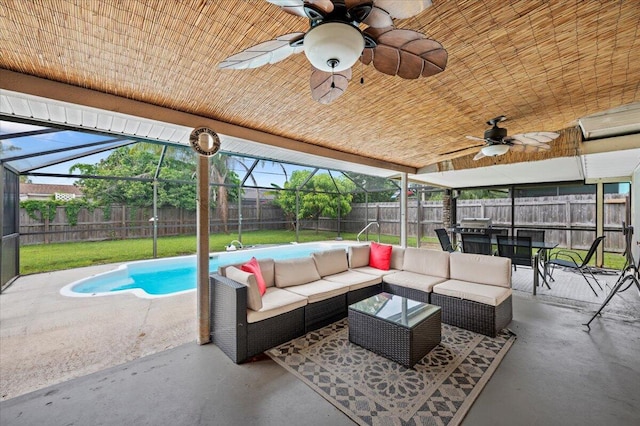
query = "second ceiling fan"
x=496 y=141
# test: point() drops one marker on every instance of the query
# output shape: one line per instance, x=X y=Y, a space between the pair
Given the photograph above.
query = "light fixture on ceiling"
x=495 y=150
x=340 y=33
x=333 y=46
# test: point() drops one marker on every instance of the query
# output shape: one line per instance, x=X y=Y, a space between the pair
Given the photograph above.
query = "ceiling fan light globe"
x=495 y=150
x=333 y=46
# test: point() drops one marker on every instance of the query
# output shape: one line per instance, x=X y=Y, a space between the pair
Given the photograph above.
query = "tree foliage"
x=45 y=210
x=380 y=189
x=318 y=198
x=479 y=194
x=140 y=161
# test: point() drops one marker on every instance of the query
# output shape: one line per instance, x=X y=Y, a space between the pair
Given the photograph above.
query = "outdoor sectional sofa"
x=307 y=293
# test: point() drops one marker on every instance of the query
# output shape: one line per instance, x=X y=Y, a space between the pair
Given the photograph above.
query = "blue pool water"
x=166 y=277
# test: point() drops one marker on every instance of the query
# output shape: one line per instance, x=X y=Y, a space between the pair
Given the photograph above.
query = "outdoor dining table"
x=539 y=260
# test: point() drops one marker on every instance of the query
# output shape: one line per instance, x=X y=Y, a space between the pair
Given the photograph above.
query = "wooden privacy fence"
x=134 y=222
x=569 y=220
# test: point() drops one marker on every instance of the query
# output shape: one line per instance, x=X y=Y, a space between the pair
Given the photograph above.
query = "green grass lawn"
x=54 y=257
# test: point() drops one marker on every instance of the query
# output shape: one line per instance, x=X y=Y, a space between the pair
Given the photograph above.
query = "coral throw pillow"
x=253 y=267
x=380 y=256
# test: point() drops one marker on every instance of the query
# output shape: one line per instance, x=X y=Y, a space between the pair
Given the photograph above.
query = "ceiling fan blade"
x=455 y=151
x=496 y=120
x=325 y=5
x=320 y=82
x=379 y=18
x=478 y=156
x=402 y=9
x=268 y=52
x=296 y=7
x=360 y=11
x=534 y=138
x=529 y=148
x=473 y=138
x=406 y=53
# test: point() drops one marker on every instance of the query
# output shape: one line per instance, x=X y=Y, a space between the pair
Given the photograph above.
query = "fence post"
x=46 y=227
x=567 y=220
x=124 y=221
x=600 y=222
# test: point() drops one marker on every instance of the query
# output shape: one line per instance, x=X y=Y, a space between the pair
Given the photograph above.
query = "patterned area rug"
x=372 y=390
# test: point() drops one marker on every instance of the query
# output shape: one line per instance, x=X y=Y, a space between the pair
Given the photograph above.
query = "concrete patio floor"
x=124 y=360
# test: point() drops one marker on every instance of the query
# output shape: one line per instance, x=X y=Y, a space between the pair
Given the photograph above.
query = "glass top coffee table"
x=397 y=328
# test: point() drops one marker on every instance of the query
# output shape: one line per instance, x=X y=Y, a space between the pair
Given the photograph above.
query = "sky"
x=265 y=173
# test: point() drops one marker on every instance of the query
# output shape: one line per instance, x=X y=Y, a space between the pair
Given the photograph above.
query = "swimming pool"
x=177 y=275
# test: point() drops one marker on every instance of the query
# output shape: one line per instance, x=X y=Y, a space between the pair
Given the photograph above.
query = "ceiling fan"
x=496 y=141
x=335 y=42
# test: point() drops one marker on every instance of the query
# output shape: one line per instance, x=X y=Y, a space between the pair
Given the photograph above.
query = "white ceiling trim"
x=83 y=117
x=553 y=170
x=615 y=164
x=617 y=121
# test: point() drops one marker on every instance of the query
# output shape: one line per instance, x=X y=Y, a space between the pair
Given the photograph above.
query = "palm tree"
x=219 y=172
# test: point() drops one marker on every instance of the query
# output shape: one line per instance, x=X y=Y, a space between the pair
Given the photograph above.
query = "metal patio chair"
x=445 y=242
x=573 y=261
x=476 y=243
x=518 y=249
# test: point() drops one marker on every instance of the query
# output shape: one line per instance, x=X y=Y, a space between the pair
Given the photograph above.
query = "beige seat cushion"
x=266 y=267
x=319 y=290
x=275 y=302
x=413 y=280
x=295 y=272
x=254 y=298
x=482 y=293
x=375 y=271
x=480 y=268
x=426 y=261
x=355 y=280
x=330 y=262
x=358 y=256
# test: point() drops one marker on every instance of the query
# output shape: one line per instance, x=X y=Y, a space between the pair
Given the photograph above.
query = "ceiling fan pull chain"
x=333 y=63
x=361 y=70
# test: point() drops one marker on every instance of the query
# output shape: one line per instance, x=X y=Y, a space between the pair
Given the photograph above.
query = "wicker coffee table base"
x=406 y=346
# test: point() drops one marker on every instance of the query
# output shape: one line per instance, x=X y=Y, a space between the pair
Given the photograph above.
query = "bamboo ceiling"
x=542 y=64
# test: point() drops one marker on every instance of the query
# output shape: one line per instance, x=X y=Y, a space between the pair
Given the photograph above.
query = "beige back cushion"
x=426 y=261
x=481 y=269
x=267 y=267
x=295 y=271
x=358 y=256
x=254 y=299
x=397 y=257
x=330 y=262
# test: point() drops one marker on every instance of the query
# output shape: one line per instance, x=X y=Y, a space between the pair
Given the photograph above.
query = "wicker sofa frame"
x=409 y=293
x=474 y=316
x=241 y=340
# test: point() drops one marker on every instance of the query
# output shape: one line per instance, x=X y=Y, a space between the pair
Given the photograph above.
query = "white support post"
x=600 y=222
x=403 y=209
x=204 y=326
